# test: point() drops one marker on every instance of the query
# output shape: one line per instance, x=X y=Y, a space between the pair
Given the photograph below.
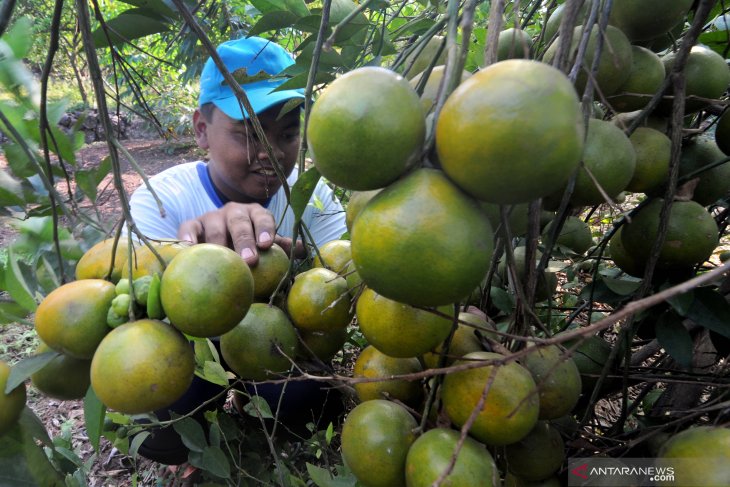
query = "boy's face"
x=239 y=165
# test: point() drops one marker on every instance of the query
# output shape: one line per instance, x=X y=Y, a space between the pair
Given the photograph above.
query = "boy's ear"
x=200 y=128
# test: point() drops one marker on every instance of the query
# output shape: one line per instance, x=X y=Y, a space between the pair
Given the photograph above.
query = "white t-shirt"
x=186 y=193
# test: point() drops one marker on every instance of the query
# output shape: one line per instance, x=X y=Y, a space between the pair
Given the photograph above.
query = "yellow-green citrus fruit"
x=206 y=290
x=418 y=60
x=373 y=364
x=615 y=63
x=517 y=218
x=692 y=234
x=334 y=255
x=511 y=406
x=653 y=151
x=355 y=123
x=318 y=301
x=142 y=366
x=11 y=405
x=72 y=318
x=645 y=79
x=535 y=136
x=146 y=263
x=268 y=272
x=262 y=346
x=422 y=241
x=590 y=355
x=546 y=283
x=323 y=344
x=706 y=77
x=376 y=437
x=431 y=454
x=556 y=17
x=357 y=202
x=538 y=455
x=722 y=132
x=557 y=378
x=431 y=88
x=96 y=263
x=398 y=329
x=575 y=235
x=462 y=342
x=649 y=18
x=63 y=377
x=610 y=158
x=704 y=453
x=513 y=44
x=714 y=183
x=622 y=258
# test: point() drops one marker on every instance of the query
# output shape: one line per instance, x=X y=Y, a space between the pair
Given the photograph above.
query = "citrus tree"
x=535 y=268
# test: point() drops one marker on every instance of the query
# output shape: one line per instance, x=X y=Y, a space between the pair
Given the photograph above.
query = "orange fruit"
x=145 y=263
x=545 y=285
x=431 y=454
x=72 y=318
x=701 y=454
x=430 y=92
x=610 y=158
x=323 y=344
x=376 y=437
x=706 y=76
x=418 y=60
x=142 y=366
x=513 y=44
x=645 y=79
x=589 y=356
x=11 y=405
x=622 y=258
x=96 y=263
x=206 y=290
x=372 y=363
x=653 y=151
x=358 y=200
x=262 y=346
x=557 y=378
x=714 y=183
x=538 y=455
x=535 y=135
x=268 y=272
x=517 y=217
x=614 y=65
x=318 y=301
x=511 y=406
x=399 y=329
x=649 y=18
x=575 y=235
x=722 y=132
x=63 y=377
x=354 y=123
x=692 y=234
x=422 y=241
x=335 y=255
x=464 y=341
x=556 y=17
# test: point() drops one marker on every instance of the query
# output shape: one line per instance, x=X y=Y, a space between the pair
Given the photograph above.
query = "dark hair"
x=207 y=109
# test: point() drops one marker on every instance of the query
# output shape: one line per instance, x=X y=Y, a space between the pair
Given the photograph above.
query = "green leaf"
x=215 y=373
x=89 y=179
x=213 y=460
x=137 y=442
x=18 y=160
x=191 y=433
x=717 y=41
x=159 y=6
x=323 y=478
x=275 y=20
x=23 y=462
x=674 y=338
x=300 y=81
x=622 y=287
x=502 y=299
x=297 y=7
x=129 y=25
x=33 y=426
x=28 y=366
x=711 y=310
x=16 y=285
x=11 y=191
x=20 y=37
x=265 y=6
x=256 y=406
x=94 y=412
x=329 y=433
x=11 y=312
x=302 y=191
x=682 y=303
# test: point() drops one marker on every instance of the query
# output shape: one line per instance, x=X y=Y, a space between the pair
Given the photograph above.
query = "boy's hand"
x=242 y=227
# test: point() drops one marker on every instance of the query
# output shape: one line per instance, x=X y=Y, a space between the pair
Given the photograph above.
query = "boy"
x=236 y=198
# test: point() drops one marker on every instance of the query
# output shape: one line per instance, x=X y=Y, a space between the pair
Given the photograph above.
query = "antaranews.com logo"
x=645 y=472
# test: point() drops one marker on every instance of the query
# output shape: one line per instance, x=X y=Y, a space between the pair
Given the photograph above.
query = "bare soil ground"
x=110 y=468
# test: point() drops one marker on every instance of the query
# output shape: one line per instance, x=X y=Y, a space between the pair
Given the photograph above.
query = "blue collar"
x=218 y=198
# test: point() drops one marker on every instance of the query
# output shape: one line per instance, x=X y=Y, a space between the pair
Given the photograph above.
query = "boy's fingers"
x=190 y=231
x=241 y=229
x=264 y=226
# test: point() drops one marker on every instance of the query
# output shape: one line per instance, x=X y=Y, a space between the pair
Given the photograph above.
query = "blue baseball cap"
x=258 y=57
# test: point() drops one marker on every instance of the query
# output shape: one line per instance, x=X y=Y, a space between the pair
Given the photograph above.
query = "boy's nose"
x=275 y=149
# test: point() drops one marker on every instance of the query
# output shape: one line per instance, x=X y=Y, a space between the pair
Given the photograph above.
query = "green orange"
x=142 y=366
x=353 y=126
x=538 y=455
x=431 y=454
x=653 y=151
x=722 y=132
x=146 y=263
x=535 y=136
x=72 y=318
x=63 y=377
x=702 y=456
x=557 y=378
x=421 y=58
x=649 y=18
x=373 y=364
x=318 y=301
x=714 y=183
x=622 y=258
x=644 y=80
x=268 y=272
x=575 y=235
x=376 y=437
x=463 y=341
x=706 y=77
x=206 y=290
x=358 y=200
x=514 y=44
x=96 y=263
x=511 y=405
x=335 y=255
x=11 y=405
x=422 y=241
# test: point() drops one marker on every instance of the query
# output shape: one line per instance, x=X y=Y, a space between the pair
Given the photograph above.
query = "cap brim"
x=261 y=99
